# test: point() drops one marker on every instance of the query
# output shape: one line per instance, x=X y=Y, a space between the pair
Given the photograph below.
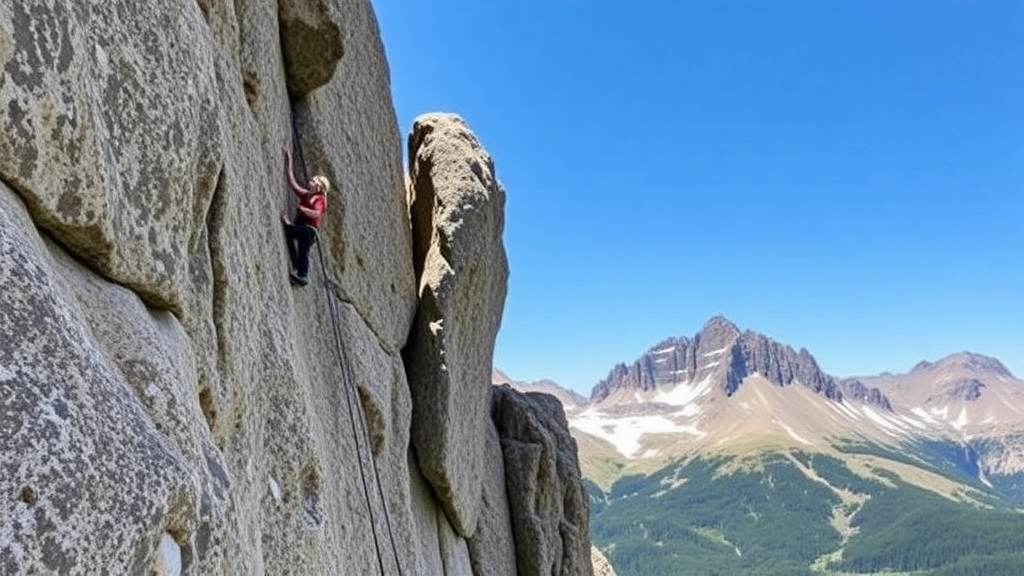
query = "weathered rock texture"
x=169 y=404
x=550 y=508
x=457 y=210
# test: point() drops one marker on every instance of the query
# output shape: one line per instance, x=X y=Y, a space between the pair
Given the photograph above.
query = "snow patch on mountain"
x=625 y=433
x=683 y=393
x=923 y=414
x=961 y=420
x=688 y=411
x=913 y=422
x=843 y=410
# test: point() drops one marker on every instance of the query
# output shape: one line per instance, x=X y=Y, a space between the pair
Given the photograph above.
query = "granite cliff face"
x=169 y=404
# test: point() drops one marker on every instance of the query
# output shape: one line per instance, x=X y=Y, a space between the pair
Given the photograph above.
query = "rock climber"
x=302 y=234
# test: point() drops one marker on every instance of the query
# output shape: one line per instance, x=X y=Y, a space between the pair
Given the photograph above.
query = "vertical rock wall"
x=169 y=404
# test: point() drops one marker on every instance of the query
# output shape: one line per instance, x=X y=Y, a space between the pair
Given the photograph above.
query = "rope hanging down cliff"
x=355 y=407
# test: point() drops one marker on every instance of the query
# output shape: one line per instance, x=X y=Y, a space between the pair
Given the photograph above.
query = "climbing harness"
x=355 y=407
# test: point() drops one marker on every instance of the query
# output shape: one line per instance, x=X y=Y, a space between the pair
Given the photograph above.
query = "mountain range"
x=728 y=391
x=729 y=413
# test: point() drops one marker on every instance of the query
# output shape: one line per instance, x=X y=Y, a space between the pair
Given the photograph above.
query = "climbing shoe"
x=300 y=280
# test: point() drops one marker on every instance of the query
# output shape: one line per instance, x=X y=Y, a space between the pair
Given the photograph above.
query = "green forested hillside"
x=775 y=517
x=906 y=528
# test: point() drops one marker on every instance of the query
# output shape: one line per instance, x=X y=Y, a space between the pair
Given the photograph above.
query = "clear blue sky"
x=841 y=175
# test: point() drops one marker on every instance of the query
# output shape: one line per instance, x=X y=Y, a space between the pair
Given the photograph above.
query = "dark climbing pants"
x=301 y=238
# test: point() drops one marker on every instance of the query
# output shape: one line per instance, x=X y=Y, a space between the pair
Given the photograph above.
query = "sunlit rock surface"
x=457 y=210
x=169 y=403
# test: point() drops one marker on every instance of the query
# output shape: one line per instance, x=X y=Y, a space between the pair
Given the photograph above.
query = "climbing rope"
x=355 y=408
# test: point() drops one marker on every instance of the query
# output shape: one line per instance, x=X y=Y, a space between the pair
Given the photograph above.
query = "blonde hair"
x=322 y=182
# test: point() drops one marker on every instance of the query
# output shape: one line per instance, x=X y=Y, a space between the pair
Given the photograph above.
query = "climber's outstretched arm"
x=290 y=174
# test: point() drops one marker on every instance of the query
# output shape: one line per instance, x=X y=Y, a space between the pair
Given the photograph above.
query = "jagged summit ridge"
x=723 y=355
x=674 y=360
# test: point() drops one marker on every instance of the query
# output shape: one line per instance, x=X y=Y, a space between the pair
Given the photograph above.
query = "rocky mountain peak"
x=726 y=356
x=674 y=360
x=965 y=390
x=718 y=334
x=971 y=362
x=719 y=325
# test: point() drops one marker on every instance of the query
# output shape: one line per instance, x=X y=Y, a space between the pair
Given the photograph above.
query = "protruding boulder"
x=311 y=43
x=457 y=210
